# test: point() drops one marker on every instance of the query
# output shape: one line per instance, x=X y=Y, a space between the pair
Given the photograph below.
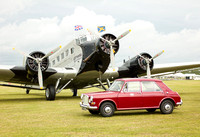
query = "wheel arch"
x=108 y=100
x=167 y=98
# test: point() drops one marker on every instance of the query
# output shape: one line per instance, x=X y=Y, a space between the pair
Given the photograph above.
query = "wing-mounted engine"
x=104 y=45
x=140 y=64
x=32 y=65
x=36 y=63
x=135 y=66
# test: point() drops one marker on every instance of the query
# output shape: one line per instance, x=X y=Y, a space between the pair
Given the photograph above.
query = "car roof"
x=138 y=79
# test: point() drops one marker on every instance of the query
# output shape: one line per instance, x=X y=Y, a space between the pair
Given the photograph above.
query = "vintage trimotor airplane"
x=79 y=64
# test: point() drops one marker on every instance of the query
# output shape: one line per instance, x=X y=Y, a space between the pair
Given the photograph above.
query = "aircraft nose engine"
x=32 y=65
x=105 y=45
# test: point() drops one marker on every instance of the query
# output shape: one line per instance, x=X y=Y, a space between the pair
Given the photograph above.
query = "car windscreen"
x=116 y=86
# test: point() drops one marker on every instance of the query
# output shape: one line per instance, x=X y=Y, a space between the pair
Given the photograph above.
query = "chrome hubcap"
x=108 y=109
x=47 y=92
x=167 y=107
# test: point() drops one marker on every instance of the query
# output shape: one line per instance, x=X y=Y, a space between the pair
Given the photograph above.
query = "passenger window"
x=66 y=52
x=134 y=86
x=58 y=58
x=62 y=55
x=150 y=86
x=53 y=62
x=72 y=50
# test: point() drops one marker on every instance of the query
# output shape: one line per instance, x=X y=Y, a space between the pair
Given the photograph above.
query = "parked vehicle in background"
x=133 y=93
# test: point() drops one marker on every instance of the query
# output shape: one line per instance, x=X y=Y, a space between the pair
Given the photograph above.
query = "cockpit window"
x=116 y=86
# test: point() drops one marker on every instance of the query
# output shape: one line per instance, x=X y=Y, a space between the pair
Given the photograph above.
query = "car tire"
x=107 y=109
x=151 y=110
x=167 y=107
x=93 y=112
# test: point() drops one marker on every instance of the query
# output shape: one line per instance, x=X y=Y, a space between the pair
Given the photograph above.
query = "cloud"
x=10 y=7
x=47 y=33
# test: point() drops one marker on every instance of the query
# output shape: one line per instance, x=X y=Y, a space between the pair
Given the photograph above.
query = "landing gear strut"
x=50 y=92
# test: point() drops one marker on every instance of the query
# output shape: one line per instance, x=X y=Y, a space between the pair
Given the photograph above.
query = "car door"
x=152 y=94
x=130 y=96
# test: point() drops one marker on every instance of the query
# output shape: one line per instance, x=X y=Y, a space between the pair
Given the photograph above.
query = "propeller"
x=148 y=61
x=39 y=61
x=111 y=44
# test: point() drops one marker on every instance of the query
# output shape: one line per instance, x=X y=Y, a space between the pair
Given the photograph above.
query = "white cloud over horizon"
x=46 y=33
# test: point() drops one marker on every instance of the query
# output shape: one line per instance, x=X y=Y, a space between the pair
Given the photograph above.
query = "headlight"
x=90 y=99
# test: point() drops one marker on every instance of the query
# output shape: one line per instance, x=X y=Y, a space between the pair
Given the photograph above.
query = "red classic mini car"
x=127 y=94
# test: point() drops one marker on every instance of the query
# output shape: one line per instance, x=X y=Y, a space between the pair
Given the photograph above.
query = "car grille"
x=85 y=100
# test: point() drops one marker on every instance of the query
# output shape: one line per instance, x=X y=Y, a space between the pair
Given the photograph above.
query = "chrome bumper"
x=179 y=103
x=84 y=107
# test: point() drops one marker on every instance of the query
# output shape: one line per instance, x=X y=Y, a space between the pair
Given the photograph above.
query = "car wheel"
x=166 y=107
x=50 y=92
x=151 y=110
x=107 y=109
x=94 y=112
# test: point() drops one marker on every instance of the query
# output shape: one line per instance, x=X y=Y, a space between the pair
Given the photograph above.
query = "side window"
x=134 y=86
x=150 y=86
x=72 y=50
x=58 y=58
x=53 y=62
x=62 y=55
x=67 y=52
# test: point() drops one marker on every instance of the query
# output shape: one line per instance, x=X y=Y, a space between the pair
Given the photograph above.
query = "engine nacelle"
x=142 y=63
x=104 y=45
x=135 y=66
x=32 y=65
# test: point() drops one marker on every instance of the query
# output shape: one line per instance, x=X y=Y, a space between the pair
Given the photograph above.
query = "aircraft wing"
x=18 y=74
x=173 y=67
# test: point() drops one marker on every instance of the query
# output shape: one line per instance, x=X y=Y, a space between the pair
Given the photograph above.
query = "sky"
x=42 y=25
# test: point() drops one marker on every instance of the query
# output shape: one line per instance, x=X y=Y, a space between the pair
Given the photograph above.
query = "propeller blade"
x=137 y=53
x=112 y=58
x=51 y=52
x=96 y=35
x=40 y=78
x=148 y=70
x=122 y=35
x=157 y=55
x=24 y=54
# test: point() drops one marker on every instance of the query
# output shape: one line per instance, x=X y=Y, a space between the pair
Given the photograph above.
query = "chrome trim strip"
x=87 y=106
x=179 y=103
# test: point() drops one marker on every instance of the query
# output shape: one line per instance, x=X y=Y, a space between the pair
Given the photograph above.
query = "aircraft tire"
x=94 y=112
x=74 y=92
x=151 y=110
x=27 y=91
x=50 y=92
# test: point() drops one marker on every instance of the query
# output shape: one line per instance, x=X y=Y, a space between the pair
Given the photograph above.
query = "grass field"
x=31 y=115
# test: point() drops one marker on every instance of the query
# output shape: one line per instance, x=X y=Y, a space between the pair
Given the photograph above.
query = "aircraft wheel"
x=94 y=112
x=74 y=92
x=50 y=92
x=151 y=110
x=27 y=91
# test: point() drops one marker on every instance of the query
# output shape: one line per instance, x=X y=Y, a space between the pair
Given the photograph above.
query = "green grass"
x=31 y=115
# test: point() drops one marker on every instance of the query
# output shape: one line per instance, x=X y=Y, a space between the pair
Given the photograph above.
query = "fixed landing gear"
x=50 y=92
x=27 y=91
x=74 y=92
